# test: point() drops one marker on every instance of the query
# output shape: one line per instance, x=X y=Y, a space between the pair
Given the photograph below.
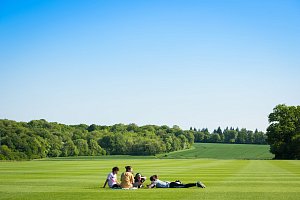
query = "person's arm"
x=122 y=177
x=105 y=183
x=152 y=185
x=132 y=179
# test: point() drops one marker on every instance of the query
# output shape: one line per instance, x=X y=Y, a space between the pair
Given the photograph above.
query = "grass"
x=230 y=171
x=82 y=179
x=224 y=151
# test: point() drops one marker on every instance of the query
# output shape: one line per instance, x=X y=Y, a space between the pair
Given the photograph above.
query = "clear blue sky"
x=201 y=63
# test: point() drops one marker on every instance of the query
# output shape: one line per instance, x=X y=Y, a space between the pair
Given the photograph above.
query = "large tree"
x=284 y=132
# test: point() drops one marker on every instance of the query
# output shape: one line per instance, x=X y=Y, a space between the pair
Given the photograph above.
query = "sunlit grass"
x=224 y=151
x=82 y=179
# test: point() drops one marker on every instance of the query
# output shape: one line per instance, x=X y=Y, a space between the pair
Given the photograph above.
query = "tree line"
x=40 y=139
x=229 y=135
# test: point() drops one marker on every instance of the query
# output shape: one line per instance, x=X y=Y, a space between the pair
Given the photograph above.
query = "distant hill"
x=223 y=151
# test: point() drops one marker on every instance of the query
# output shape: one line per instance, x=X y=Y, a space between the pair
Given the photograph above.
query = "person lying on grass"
x=112 y=179
x=127 y=178
x=155 y=182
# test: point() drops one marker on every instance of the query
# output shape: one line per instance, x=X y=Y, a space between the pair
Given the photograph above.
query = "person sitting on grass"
x=127 y=178
x=139 y=180
x=112 y=179
x=155 y=182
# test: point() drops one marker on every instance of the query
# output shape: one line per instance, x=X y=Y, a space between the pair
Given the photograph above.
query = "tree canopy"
x=284 y=132
x=40 y=139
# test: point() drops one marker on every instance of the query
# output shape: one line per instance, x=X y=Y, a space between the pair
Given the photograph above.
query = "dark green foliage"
x=40 y=139
x=236 y=136
x=284 y=132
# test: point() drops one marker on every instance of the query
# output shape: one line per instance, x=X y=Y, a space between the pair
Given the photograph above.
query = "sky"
x=191 y=63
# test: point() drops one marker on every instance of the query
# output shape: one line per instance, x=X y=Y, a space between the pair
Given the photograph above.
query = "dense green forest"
x=39 y=139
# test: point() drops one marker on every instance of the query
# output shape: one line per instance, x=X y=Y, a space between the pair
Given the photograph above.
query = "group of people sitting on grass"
x=128 y=181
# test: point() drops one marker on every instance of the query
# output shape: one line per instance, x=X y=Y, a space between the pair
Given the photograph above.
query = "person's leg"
x=180 y=185
x=115 y=186
x=200 y=184
x=190 y=185
x=175 y=185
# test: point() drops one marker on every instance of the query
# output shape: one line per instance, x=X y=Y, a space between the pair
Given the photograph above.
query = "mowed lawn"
x=224 y=151
x=82 y=179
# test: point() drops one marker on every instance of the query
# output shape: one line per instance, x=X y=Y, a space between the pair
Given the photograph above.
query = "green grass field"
x=224 y=151
x=82 y=177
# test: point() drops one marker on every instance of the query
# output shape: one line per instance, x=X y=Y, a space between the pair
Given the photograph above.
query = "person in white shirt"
x=112 y=179
x=155 y=182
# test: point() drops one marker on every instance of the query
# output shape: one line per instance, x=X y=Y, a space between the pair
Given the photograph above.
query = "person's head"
x=138 y=176
x=128 y=169
x=153 y=178
x=115 y=170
